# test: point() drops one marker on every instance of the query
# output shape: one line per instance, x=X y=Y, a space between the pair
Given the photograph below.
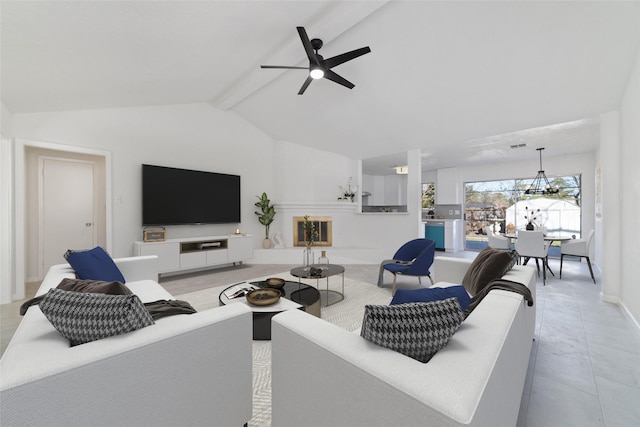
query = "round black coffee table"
x=295 y=295
x=322 y=271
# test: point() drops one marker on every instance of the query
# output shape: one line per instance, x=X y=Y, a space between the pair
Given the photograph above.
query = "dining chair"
x=497 y=241
x=414 y=258
x=531 y=244
x=578 y=248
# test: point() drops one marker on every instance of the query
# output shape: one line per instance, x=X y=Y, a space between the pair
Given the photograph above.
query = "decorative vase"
x=307 y=257
x=530 y=227
x=266 y=243
x=322 y=259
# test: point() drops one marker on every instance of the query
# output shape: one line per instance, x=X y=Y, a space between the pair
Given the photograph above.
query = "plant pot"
x=266 y=243
x=529 y=227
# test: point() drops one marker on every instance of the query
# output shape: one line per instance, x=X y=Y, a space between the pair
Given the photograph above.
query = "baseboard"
x=629 y=316
x=610 y=299
x=615 y=300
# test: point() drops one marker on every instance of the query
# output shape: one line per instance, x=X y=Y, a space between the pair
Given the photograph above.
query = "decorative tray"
x=275 y=282
x=266 y=296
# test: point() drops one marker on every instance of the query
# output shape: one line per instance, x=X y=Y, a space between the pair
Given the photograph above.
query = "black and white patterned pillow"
x=85 y=317
x=417 y=330
x=514 y=260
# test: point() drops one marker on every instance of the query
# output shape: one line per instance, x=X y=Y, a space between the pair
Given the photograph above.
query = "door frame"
x=18 y=290
x=41 y=230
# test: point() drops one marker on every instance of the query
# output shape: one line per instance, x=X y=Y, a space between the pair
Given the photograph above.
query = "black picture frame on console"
x=173 y=196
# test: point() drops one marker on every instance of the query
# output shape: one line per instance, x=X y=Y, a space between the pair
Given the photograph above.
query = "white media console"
x=176 y=255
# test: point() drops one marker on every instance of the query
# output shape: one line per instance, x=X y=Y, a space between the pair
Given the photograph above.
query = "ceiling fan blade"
x=284 y=66
x=307 y=45
x=305 y=85
x=348 y=56
x=331 y=75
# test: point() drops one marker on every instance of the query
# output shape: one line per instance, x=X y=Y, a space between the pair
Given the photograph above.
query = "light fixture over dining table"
x=540 y=184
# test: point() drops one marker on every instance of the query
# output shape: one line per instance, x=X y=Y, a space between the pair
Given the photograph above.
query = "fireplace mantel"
x=339 y=213
x=317 y=207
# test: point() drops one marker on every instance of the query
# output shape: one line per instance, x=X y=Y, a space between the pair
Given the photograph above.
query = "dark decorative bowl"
x=275 y=282
x=264 y=296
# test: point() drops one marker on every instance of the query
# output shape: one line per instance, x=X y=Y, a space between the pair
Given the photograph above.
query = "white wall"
x=198 y=136
x=308 y=181
x=195 y=136
x=630 y=204
x=6 y=130
x=304 y=174
x=7 y=276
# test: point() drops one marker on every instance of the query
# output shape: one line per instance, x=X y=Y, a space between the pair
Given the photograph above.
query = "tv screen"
x=172 y=196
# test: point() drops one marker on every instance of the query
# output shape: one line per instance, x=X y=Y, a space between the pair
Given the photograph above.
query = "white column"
x=414 y=189
x=7 y=237
x=610 y=165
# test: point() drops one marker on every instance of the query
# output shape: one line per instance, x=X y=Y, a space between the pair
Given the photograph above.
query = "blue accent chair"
x=414 y=258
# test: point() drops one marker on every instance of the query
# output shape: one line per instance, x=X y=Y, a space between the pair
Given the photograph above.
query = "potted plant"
x=531 y=217
x=265 y=216
x=348 y=193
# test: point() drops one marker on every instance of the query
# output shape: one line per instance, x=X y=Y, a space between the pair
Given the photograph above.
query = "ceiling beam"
x=339 y=18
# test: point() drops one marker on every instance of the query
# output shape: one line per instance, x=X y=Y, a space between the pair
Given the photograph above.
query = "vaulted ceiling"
x=462 y=81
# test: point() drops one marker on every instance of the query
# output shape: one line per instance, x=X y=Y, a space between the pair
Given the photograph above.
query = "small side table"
x=326 y=271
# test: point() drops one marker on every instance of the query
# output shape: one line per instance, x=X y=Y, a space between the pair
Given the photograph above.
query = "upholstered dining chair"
x=531 y=244
x=579 y=248
x=413 y=258
x=498 y=241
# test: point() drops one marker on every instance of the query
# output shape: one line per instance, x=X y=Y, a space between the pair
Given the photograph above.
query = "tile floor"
x=585 y=361
x=584 y=368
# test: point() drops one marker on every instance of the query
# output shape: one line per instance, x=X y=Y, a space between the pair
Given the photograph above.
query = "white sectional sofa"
x=185 y=370
x=323 y=375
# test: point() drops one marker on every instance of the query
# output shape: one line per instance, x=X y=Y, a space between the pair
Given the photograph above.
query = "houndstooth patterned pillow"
x=417 y=330
x=85 y=317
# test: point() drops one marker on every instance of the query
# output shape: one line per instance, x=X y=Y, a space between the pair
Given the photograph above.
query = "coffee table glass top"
x=326 y=270
x=297 y=292
x=300 y=293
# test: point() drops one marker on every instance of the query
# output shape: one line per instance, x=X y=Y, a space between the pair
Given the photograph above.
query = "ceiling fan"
x=320 y=67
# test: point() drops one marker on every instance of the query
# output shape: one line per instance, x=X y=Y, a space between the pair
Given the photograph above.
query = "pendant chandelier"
x=540 y=184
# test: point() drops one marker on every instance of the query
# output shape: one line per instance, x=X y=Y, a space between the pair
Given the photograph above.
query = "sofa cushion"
x=490 y=264
x=94 y=286
x=404 y=296
x=94 y=264
x=85 y=317
x=417 y=330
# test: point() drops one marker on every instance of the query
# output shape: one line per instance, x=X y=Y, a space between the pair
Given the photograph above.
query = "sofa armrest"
x=133 y=269
x=138 y=267
x=450 y=270
x=202 y=362
x=476 y=380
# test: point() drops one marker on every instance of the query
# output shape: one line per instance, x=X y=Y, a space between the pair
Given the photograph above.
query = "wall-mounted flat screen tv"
x=172 y=196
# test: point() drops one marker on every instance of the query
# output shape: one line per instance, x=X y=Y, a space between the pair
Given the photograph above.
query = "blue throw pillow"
x=94 y=264
x=404 y=296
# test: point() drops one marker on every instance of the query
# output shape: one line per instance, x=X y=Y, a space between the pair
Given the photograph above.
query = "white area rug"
x=347 y=314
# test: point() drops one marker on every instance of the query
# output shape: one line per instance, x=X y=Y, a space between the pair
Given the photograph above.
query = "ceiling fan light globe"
x=316 y=73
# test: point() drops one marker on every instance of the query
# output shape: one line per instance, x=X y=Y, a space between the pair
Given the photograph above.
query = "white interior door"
x=67 y=208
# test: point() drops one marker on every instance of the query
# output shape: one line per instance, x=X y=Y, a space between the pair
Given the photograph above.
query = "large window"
x=428 y=200
x=504 y=206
